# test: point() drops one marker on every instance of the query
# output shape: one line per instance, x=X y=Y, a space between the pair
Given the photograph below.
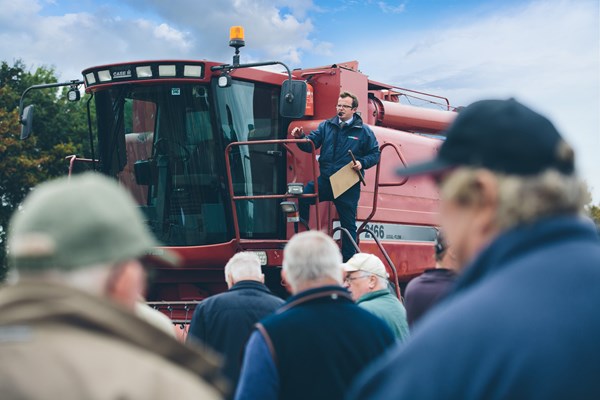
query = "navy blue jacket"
x=319 y=341
x=335 y=143
x=224 y=321
x=522 y=322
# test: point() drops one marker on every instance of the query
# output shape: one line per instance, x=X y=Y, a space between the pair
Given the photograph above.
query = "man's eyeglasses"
x=349 y=278
x=343 y=106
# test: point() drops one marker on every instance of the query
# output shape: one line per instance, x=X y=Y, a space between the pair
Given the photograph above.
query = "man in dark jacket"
x=346 y=131
x=224 y=321
x=315 y=345
x=427 y=289
x=522 y=320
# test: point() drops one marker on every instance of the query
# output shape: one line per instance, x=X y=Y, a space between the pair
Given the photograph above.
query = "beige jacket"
x=59 y=343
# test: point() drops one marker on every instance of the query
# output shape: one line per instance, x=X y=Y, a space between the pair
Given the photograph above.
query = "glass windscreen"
x=249 y=112
x=166 y=144
x=160 y=142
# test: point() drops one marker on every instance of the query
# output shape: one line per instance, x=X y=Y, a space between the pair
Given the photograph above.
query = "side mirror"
x=292 y=102
x=27 y=122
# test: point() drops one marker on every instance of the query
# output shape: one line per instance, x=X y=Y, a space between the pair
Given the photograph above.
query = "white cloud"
x=547 y=54
x=386 y=8
x=172 y=36
x=274 y=29
x=72 y=42
x=10 y=8
x=299 y=8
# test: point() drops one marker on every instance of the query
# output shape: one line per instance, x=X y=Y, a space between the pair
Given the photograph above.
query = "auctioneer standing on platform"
x=335 y=136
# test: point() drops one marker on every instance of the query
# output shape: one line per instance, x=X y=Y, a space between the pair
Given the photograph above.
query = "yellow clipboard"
x=343 y=180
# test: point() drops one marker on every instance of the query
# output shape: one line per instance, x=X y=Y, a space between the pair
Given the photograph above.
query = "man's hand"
x=298 y=132
x=357 y=166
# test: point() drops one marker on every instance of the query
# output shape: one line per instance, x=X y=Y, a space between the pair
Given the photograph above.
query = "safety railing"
x=345 y=232
x=386 y=256
x=364 y=228
x=179 y=312
x=284 y=143
x=378 y=184
x=347 y=235
x=74 y=159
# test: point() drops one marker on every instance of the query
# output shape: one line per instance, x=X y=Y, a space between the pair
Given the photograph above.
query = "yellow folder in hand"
x=343 y=180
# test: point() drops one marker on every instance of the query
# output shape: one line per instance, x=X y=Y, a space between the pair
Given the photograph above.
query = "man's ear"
x=126 y=283
x=284 y=281
x=372 y=281
x=229 y=280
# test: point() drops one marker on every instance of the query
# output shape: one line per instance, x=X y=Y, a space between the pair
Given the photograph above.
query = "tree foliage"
x=594 y=212
x=59 y=127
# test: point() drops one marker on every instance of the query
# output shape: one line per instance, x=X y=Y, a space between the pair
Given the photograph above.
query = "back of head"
x=68 y=224
x=311 y=257
x=440 y=246
x=520 y=199
x=534 y=167
x=243 y=266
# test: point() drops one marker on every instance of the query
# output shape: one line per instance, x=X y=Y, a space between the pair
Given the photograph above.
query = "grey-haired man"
x=318 y=341
x=367 y=279
x=225 y=321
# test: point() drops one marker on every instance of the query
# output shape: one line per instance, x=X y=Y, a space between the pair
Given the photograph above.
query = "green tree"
x=594 y=212
x=60 y=129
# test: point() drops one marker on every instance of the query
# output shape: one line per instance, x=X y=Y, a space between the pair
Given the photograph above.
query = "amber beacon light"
x=236 y=37
x=236 y=40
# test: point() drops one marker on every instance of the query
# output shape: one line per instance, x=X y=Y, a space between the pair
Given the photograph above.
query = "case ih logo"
x=121 y=74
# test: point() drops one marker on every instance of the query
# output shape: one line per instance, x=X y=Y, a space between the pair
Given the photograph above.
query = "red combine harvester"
x=205 y=150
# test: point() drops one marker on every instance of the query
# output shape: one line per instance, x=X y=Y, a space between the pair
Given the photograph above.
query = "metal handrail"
x=363 y=227
x=385 y=254
x=168 y=302
x=73 y=158
x=347 y=233
x=170 y=307
x=445 y=99
x=386 y=184
x=233 y=198
x=387 y=258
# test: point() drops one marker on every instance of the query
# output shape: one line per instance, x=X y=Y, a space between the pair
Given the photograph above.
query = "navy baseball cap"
x=503 y=136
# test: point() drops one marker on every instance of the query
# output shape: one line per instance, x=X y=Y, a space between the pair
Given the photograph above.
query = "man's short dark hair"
x=440 y=247
x=343 y=95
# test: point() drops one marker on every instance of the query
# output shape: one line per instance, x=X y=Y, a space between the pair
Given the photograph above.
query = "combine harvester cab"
x=205 y=150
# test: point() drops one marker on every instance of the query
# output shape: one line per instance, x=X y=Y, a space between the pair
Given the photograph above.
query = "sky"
x=544 y=53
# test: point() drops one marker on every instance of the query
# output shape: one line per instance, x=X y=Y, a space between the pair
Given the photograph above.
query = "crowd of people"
x=508 y=311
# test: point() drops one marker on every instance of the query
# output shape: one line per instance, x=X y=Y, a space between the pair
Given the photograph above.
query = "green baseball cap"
x=85 y=220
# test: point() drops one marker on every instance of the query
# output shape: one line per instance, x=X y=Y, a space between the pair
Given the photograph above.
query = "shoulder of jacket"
x=368 y=129
x=331 y=121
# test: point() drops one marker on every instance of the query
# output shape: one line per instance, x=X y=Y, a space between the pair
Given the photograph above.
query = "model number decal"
x=394 y=232
x=377 y=229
